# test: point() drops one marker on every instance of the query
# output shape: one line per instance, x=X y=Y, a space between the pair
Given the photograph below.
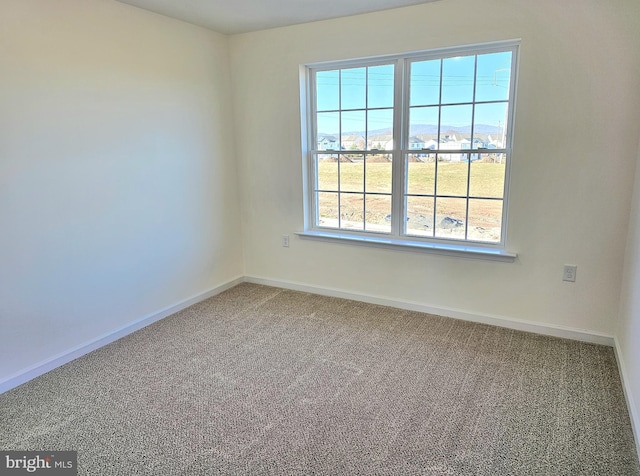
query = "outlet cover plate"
x=569 y=273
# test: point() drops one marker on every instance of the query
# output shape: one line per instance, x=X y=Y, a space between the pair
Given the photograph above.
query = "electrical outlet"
x=569 y=273
x=285 y=241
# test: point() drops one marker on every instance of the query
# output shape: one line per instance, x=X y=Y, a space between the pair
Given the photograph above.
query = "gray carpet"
x=261 y=381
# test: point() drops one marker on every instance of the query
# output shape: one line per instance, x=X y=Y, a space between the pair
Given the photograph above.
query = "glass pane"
x=489 y=125
x=328 y=124
x=351 y=173
x=354 y=88
x=327 y=167
x=452 y=178
x=425 y=83
x=452 y=158
x=379 y=175
x=487 y=176
x=493 y=76
x=419 y=216
x=351 y=211
x=353 y=125
x=353 y=142
x=455 y=126
x=380 y=86
x=421 y=174
x=451 y=218
x=378 y=213
x=423 y=122
x=328 y=209
x=328 y=90
x=380 y=129
x=485 y=220
x=457 y=79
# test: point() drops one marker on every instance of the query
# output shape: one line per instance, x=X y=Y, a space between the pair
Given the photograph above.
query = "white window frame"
x=398 y=239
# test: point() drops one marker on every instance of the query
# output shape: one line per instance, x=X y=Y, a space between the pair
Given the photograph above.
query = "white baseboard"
x=45 y=366
x=633 y=414
x=500 y=321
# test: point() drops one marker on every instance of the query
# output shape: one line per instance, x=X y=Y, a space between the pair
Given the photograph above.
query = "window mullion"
x=435 y=176
x=473 y=134
x=339 y=147
x=364 y=156
x=397 y=185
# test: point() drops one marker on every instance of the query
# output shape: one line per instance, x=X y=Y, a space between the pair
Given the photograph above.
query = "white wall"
x=577 y=123
x=117 y=176
x=628 y=332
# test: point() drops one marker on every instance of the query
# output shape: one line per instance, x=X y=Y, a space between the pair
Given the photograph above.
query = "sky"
x=365 y=95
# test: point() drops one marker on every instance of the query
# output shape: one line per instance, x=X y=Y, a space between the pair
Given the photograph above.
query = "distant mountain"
x=432 y=129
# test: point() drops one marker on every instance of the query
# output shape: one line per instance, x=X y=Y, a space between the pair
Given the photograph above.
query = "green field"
x=484 y=180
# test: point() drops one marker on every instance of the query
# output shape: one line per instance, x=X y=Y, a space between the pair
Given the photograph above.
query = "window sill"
x=446 y=249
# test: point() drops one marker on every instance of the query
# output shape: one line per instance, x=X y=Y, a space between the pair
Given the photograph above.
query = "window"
x=416 y=148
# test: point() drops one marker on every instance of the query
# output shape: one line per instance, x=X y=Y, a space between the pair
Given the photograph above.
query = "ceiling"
x=240 y=16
